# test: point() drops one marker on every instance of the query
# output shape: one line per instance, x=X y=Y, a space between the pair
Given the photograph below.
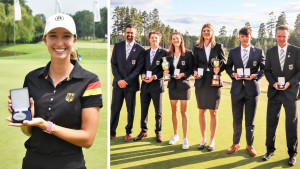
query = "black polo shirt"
x=63 y=106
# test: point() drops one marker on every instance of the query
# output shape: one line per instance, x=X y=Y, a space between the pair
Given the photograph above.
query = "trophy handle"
x=221 y=63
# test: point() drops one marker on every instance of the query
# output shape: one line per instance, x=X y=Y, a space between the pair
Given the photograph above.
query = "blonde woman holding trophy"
x=208 y=64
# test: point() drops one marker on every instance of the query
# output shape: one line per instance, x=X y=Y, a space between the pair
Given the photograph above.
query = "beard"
x=129 y=38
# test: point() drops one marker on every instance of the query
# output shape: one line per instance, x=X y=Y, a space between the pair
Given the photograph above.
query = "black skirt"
x=207 y=96
x=179 y=94
x=34 y=160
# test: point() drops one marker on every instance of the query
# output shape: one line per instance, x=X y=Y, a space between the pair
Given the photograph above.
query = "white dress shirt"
x=248 y=51
x=284 y=48
x=175 y=62
x=152 y=54
x=243 y=52
x=207 y=53
x=126 y=46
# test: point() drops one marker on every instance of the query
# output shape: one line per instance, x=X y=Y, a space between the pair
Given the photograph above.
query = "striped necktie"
x=282 y=58
x=128 y=49
x=245 y=57
x=152 y=54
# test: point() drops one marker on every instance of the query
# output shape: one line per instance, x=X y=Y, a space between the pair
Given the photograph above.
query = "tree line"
x=31 y=28
x=266 y=33
x=145 y=22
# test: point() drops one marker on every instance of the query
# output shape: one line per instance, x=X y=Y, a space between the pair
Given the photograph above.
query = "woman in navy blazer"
x=208 y=97
x=179 y=85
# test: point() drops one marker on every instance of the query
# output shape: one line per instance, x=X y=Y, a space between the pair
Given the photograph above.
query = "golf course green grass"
x=149 y=154
x=12 y=72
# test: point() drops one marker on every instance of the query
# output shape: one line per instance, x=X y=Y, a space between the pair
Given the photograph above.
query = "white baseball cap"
x=60 y=20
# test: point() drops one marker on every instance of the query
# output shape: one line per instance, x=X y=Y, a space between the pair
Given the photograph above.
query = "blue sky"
x=47 y=7
x=190 y=15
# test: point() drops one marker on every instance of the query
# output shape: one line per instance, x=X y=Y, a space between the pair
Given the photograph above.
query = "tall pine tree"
x=222 y=33
x=281 y=19
x=271 y=28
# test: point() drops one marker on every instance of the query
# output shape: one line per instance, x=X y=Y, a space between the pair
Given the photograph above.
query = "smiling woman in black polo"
x=65 y=103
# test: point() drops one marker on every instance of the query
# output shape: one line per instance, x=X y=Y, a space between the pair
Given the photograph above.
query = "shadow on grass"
x=262 y=164
x=162 y=150
x=271 y=164
x=4 y=53
x=120 y=140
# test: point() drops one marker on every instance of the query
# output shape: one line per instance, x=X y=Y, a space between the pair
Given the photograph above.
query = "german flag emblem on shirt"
x=93 y=89
x=70 y=97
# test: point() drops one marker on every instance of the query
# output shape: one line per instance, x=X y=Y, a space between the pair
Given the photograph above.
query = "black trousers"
x=118 y=96
x=146 y=96
x=238 y=103
x=291 y=122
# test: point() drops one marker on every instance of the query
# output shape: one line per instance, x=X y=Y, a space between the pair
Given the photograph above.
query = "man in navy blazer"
x=245 y=90
x=283 y=75
x=127 y=61
x=152 y=85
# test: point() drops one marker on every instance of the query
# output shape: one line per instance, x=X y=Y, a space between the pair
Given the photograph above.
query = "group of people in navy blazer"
x=281 y=66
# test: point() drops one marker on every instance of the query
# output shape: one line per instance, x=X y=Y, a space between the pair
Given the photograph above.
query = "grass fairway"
x=12 y=73
x=148 y=154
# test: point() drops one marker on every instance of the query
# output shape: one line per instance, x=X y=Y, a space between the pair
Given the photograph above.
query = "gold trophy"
x=165 y=65
x=216 y=63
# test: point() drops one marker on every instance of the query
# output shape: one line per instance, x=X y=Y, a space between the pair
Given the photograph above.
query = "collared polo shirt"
x=62 y=105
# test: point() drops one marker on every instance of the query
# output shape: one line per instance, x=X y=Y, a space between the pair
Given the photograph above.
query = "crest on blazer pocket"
x=157 y=62
x=255 y=63
x=183 y=62
x=70 y=97
x=133 y=62
x=291 y=67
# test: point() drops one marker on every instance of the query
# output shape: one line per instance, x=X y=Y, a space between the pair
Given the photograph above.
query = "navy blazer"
x=291 y=71
x=129 y=69
x=156 y=85
x=256 y=63
x=200 y=61
x=185 y=64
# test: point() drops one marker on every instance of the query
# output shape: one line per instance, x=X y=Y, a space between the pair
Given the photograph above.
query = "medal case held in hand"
x=20 y=105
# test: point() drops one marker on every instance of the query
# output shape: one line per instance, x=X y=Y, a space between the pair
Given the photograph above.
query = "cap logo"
x=59 y=18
